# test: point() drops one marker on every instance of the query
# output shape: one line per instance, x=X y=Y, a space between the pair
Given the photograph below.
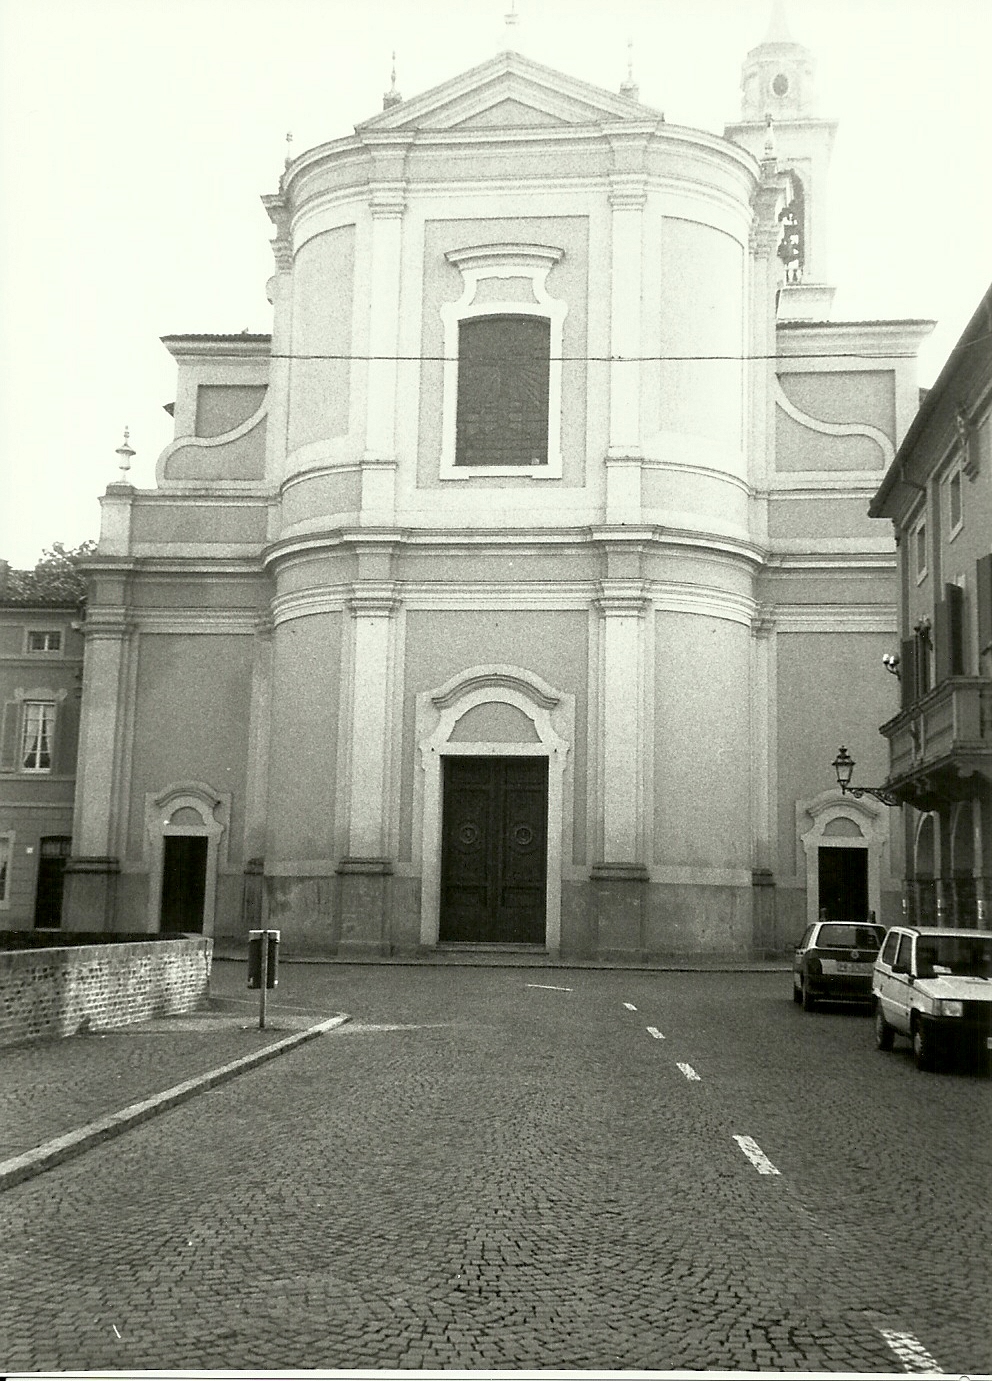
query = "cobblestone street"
x=526 y=1168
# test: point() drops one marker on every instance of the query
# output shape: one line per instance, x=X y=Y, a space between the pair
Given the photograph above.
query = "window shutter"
x=907 y=672
x=9 y=735
x=942 y=639
x=983 y=598
x=955 y=628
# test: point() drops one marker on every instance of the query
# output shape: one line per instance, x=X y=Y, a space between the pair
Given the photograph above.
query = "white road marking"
x=911 y=1352
x=756 y=1155
x=549 y=987
x=653 y=1031
x=689 y=1072
x=630 y=1007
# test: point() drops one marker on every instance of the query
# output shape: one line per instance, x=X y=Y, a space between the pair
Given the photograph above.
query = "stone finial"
x=289 y=149
x=511 y=21
x=126 y=454
x=392 y=96
x=629 y=88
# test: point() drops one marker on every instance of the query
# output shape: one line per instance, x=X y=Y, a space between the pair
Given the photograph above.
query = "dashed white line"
x=630 y=1007
x=756 y=1155
x=911 y=1352
x=689 y=1072
x=549 y=987
x=653 y=1031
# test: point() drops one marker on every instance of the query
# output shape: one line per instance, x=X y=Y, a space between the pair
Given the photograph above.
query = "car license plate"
x=988 y=1042
x=850 y=968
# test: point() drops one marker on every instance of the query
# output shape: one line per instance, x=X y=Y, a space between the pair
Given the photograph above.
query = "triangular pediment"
x=509 y=90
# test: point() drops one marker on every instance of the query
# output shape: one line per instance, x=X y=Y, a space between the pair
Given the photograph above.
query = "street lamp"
x=843 y=765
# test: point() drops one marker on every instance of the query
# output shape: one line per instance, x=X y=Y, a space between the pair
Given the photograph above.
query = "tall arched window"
x=504 y=365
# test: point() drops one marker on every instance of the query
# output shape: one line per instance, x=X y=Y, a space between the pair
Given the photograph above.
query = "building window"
x=6 y=856
x=44 y=640
x=503 y=371
x=920 y=550
x=954 y=511
x=37 y=735
x=502 y=380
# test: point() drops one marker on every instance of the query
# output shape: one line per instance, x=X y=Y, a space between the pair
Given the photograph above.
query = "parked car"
x=833 y=962
x=935 y=987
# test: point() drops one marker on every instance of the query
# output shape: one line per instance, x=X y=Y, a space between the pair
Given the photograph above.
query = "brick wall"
x=47 y=993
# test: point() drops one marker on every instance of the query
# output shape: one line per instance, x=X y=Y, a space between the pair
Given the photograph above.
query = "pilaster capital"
x=109 y=623
x=387 y=200
x=282 y=245
x=763 y=621
x=622 y=599
x=374 y=600
x=628 y=192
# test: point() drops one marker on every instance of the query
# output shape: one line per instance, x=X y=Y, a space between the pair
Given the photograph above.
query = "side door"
x=901 y=986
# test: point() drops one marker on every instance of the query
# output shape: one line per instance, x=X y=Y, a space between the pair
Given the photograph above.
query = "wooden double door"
x=494 y=850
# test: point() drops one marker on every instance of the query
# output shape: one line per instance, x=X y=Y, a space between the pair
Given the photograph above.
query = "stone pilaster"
x=387 y=201
x=279 y=291
x=618 y=878
x=364 y=874
x=627 y=197
x=91 y=872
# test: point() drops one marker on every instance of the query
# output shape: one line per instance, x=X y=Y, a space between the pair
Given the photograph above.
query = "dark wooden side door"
x=843 y=878
x=184 y=882
x=494 y=850
x=53 y=851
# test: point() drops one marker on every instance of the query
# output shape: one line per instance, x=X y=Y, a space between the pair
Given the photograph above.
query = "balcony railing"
x=950 y=727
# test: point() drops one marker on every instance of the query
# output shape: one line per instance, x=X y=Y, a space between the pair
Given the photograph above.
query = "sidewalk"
x=59 y=1097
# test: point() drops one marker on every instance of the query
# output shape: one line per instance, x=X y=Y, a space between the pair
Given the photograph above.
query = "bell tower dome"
x=778 y=76
x=778 y=93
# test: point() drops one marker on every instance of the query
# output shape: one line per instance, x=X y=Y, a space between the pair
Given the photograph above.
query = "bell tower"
x=778 y=103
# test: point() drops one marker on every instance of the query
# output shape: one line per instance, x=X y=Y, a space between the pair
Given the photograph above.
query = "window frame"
x=23 y=751
x=57 y=632
x=920 y=536
x=477 y=264
x=954 y=479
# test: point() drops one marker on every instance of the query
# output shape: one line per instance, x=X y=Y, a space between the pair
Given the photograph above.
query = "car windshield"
x=841 y=935
x=968 y=956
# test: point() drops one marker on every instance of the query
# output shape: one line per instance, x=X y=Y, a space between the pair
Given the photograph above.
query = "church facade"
x=519 y=587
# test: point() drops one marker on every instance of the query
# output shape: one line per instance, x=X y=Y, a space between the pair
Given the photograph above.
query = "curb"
x=782 y=965
x=62 y=1148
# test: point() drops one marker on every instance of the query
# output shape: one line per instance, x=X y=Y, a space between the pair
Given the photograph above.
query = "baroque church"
x=519 y=588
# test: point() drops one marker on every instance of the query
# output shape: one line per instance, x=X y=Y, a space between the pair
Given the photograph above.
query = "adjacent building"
x=41 y=663
x=938 y=494
x=519 y=587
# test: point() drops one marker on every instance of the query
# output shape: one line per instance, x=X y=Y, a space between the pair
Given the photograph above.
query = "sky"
x=137 y=137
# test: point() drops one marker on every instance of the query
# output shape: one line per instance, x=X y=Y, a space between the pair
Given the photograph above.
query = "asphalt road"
x=526 y=1169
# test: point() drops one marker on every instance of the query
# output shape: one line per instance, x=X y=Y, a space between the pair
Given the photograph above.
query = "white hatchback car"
x=935 y=987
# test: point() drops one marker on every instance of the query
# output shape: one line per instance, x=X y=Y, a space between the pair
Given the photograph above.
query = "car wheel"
x=923 y=1046
x=883 y=1031
x=809 y=1001
x=797 y=992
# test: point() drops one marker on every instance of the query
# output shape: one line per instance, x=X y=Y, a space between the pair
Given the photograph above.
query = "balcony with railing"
x=940 y=742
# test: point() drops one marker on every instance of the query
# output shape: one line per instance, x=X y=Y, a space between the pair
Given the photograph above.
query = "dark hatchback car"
x=834 y=962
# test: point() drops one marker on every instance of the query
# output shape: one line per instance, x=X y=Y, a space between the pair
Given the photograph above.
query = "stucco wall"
x=191 y=713
x=306 y=691
x=702 y=743
x=323 y=289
